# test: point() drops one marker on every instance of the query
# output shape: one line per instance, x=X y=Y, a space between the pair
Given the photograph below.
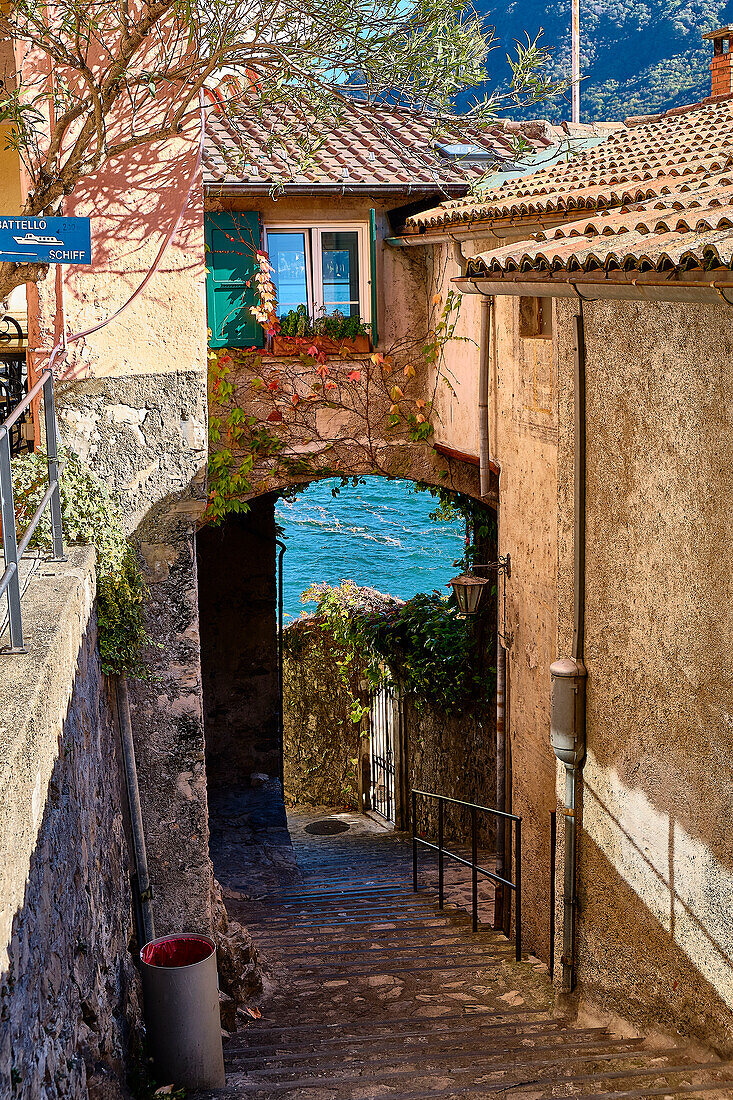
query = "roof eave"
x=232 y=188
x=703 y=287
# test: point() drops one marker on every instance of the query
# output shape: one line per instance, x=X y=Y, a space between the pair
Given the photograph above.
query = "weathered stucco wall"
x=133 y=404
x=238 y=624
x=523 y=425
x=655 y=932
x=67 y=990
x=321 y=743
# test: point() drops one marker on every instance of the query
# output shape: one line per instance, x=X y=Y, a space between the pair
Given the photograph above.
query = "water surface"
x=378 y=534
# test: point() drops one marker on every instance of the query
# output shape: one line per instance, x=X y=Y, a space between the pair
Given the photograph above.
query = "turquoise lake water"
x=378 y=534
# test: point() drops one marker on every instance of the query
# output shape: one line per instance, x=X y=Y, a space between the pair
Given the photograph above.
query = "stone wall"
x=145 y=436
x=67 y=989
x=321 y=742
x=452 y=754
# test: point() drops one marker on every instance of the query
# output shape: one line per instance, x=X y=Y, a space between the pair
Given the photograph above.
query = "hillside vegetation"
x=637 y=56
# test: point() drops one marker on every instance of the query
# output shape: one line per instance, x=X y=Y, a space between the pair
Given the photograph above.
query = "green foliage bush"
x=424 y=642
x=333 y=326
x=90 y=516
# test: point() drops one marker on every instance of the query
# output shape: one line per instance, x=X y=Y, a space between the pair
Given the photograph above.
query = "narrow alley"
x=373 y=992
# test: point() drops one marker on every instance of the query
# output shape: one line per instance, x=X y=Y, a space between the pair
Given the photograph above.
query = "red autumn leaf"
x=274 y=385
x=295 y=399
x=330 y=385
x=275 y=415
x=313 y=350
x=355 y=376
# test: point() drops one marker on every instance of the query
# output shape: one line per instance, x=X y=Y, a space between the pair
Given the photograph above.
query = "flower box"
x=290 y=345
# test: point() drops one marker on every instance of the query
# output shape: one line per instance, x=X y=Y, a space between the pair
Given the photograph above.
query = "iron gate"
x=13 y=381
x=383 y=729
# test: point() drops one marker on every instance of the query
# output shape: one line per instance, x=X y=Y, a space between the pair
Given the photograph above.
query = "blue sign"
x=45 y=240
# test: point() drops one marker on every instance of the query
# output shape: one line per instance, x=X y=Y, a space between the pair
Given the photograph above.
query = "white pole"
x=575 y=59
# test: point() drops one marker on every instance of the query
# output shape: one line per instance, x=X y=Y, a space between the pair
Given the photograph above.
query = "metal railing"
x=476 y=870
x=12 y=549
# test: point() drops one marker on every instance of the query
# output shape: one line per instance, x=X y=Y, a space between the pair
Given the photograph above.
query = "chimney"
x=720 y=66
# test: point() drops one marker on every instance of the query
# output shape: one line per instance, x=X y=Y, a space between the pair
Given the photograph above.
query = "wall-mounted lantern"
x=472 y=592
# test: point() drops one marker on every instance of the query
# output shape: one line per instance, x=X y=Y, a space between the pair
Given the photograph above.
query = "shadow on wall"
x=134 y=200
x=68 y=997
x=673 y=963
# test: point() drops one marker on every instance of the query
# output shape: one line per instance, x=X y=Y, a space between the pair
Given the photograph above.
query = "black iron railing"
x=12 y=548
x=515 y=886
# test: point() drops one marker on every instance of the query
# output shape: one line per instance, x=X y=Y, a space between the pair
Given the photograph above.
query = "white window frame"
x=314 y=267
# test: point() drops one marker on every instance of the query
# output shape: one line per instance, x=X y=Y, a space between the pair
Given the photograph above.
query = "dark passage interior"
x=239 y=666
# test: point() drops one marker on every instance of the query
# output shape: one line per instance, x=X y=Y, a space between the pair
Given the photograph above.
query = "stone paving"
x=375 y=994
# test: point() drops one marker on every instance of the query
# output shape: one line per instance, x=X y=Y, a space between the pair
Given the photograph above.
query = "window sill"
x=286 y=346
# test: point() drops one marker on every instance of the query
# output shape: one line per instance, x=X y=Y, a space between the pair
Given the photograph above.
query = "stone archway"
x=277 y=423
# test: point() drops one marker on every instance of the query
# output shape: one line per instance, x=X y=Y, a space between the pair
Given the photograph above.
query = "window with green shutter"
x=231 y=243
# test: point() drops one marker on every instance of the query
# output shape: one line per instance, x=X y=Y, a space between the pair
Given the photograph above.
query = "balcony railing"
x=12 y=548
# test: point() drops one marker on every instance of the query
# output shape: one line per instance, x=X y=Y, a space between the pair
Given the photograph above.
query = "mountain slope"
x=637 y=56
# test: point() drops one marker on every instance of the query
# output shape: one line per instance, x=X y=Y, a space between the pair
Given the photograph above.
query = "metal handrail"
x=476 y=870
x=12 y=549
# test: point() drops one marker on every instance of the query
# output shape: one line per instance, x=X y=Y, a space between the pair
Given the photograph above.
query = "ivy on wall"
x=274 y=418
x=90 y=516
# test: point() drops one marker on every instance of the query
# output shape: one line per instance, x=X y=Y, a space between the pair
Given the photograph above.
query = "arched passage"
x=237 y=572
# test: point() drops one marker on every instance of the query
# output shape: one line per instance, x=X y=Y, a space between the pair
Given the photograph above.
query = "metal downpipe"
x=487 y=313
x=145 y=892
x=500 y=778
x=570 y=901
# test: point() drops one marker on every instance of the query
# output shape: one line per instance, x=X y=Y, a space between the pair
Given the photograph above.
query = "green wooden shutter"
x=373 y=273
x=231 y=243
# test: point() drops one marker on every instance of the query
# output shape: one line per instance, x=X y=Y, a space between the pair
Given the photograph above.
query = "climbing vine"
x=479 y=522
x=424 y=643
x=321 y=409
x=90 y=516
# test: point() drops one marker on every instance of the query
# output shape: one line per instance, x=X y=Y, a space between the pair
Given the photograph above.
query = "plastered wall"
x=655 y=926
x=131 y=401
x=523 y=425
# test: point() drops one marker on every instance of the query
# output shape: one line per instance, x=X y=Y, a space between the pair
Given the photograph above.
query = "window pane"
x=287 y=256
x=340 y=267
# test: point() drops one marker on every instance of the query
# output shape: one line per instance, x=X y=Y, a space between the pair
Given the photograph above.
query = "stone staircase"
x=377 y=994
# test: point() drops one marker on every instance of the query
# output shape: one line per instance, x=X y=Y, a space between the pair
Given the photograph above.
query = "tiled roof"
x=382 y=148
x=646 y=159
x=688 y=228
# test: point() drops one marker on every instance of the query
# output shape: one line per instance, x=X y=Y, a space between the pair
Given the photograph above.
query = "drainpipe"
x=144 y=889
x=500 y=776
x=567 y=731
x=487 y=316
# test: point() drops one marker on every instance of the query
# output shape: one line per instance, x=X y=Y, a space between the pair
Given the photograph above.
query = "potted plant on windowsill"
x=332 y=334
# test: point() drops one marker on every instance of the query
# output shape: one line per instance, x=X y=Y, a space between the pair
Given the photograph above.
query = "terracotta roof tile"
x=657 y=195
x=379 y=147
x=642 y=160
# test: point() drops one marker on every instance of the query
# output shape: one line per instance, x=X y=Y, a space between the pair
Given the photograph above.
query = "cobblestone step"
x=376 y=994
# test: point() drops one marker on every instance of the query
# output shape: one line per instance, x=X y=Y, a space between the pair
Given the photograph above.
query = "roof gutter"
x=639 y=289
x=235 y=190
